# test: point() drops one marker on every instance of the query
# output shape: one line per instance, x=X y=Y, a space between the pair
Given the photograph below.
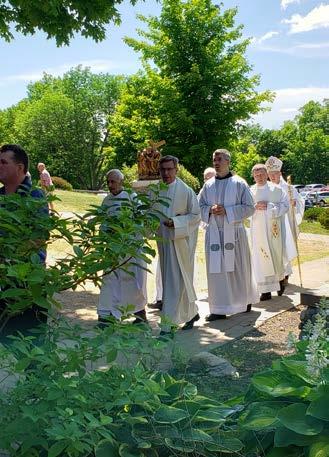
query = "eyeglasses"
x=167 y=169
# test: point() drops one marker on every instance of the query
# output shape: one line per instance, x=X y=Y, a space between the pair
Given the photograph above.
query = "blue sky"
x=289 y=49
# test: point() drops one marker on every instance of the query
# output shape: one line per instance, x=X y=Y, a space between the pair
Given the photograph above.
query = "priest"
x=295 y=214
x=119 y=288
x=178 y=231
x=268 y=233
x=225 y=202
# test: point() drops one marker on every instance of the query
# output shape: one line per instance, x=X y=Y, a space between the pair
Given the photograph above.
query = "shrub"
x=324 y=218
x=130 y=174
x=60 y=407
x=61 y=183
x=313 y=214
x=188 y=178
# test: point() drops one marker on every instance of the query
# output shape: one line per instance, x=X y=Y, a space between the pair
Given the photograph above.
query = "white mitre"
x=273 y=164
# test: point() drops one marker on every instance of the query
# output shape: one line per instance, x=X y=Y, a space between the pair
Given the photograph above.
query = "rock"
x=213 y=364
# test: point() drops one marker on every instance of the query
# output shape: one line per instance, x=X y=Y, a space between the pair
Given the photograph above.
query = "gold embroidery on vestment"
x=275 y=229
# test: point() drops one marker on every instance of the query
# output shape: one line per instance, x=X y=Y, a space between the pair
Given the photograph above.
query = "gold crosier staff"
x=295 y=233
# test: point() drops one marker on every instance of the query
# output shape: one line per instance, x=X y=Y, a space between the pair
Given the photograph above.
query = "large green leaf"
x=319 y=407
x=107 y=448
x=262 y=414
x=285 y=452
x=294 y=417
x=225 y=444
x=277 y=383
x=298 y=368
x=284 y=437
x=180 y=445
x=320 y=448
x=169 y=415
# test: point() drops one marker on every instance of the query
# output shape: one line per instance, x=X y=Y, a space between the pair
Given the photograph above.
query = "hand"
x=169 y=223
x=261 y=205
x=218 y=210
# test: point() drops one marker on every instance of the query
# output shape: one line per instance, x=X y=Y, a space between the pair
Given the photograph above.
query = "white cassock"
x=120 y=289
x=292 y=219
x=231 y=283
x=177 y=252
x=268 y=236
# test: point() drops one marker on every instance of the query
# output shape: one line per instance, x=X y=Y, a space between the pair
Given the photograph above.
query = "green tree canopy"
x=196 y=87
x=64 y=123
x=59 y=19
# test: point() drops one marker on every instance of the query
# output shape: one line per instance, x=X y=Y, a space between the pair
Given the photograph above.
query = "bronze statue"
x=148 y=161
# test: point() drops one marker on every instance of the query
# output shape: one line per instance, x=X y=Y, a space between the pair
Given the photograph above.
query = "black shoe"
x=140 y=317
x=215 y=317
x=282 y=288
x=156 y=305
x=266 y=296
x=248 y=308
x=103 y=322
x=188 y=325
x=166 y=336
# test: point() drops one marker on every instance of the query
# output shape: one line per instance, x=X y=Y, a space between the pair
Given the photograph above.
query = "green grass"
x=76 y=202
x=313 y=227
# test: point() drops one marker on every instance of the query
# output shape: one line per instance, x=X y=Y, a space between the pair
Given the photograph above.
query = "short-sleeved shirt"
x=45 y=179
x=25 y=188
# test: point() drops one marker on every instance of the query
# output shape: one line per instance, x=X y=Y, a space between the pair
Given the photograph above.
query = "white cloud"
x=315 y=19
x=287 y=103
x=285 y=3
x=267 y=36
x=307 y=50
x=96 y=66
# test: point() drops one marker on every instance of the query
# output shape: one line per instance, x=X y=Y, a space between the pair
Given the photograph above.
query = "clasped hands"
x=217 y=210
x=261 y=205
x=169 y=223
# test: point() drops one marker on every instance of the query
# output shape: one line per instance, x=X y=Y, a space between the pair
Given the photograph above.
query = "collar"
x=229 y=175
x=24 y=187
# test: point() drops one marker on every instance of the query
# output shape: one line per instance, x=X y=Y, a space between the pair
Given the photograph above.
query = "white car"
x=314 y=187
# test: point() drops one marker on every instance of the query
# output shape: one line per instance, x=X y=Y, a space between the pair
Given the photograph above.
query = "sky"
x=289 y=50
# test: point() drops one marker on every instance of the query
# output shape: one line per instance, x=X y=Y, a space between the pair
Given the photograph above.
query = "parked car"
x=313 y=187
x=306 y=197
x=299 y=187
x=320 y=198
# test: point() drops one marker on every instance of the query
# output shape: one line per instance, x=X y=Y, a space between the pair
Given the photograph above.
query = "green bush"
x=130 y=174
x=287 y=406
x=61 y=183
x=313 y=214
x=188 y=178
x=324 y=218
x=74 y=399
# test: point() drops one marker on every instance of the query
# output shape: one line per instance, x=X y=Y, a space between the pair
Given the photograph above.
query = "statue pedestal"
x=142 y=185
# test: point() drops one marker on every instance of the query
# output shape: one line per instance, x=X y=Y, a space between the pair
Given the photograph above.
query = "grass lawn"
x=313 y=227
x=76 y=202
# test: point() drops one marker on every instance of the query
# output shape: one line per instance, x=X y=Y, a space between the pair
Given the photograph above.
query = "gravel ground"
x=250 y=353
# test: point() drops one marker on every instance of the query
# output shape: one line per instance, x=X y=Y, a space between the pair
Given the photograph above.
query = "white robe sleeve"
x=280 y=208
x=300 y=206
x=204 y=205
x=185 y=224
x=243 y=210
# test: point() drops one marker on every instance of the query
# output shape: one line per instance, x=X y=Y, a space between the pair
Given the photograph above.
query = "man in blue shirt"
x=14 y=164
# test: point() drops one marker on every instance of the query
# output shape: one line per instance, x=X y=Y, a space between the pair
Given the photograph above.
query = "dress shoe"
x=188 y=325
x=265 y=296
x=282 y=288
x=215 y=317
x=248 y=308
x=140 y=317
x=156 y=305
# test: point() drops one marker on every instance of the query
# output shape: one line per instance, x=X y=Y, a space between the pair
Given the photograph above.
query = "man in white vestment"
x=295 y=214
x=225 y=201
x=268 y=233
x=179 y=230
x=120 y=289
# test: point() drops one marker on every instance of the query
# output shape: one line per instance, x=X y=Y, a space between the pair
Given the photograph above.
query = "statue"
x=148 y=161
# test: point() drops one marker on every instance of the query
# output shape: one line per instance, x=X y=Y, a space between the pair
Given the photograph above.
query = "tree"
x=65 y=124
x=193 y=57
x=59 y=19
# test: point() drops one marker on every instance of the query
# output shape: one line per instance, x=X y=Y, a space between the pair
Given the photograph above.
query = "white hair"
x=209 y=170
x=224 y=152
x=116 y=173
